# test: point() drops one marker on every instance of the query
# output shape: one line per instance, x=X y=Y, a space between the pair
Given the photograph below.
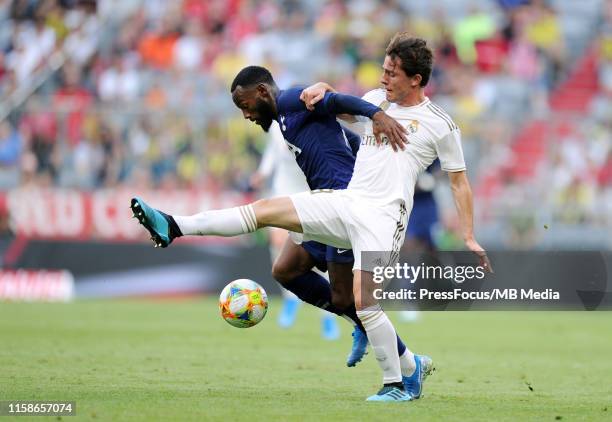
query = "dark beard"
x=266 y=114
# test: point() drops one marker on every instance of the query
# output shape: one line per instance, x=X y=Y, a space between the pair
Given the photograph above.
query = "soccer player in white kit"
x=371 y=214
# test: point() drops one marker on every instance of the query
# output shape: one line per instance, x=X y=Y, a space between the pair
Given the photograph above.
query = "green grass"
x=139 y=360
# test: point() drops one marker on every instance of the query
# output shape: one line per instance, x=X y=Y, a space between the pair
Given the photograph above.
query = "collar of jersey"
x=421 y=104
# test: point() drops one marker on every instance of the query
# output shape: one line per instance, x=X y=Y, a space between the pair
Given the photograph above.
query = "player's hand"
x=483 y=259
x=315 y=93
x=383 y=125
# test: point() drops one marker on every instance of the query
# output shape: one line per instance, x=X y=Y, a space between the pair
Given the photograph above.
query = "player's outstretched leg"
x=275 y=212
x=414 y=383
x=161 y=226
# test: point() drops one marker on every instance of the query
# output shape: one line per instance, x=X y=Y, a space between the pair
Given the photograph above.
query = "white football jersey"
x=382 y=175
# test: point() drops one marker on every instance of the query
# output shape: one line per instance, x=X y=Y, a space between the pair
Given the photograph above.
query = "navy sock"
x=401 y=347
x=351 y=312
x=315 y=290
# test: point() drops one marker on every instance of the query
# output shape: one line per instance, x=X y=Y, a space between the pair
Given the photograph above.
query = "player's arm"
x=382 y=124
x=450 y=153
x=315 y=93
x=462 y=193
x=334 y=103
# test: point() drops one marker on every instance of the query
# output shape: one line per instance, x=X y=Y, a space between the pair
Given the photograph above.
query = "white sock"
x=383 y=340
x=407 y=363
x=227 y=222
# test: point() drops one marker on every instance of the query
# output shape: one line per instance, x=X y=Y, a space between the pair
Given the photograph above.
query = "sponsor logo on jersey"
x=371 y=140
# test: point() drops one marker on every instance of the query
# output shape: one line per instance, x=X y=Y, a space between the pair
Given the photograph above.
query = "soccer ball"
x=243 y=303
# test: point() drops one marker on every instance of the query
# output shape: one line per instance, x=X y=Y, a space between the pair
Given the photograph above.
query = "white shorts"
x=342 y=219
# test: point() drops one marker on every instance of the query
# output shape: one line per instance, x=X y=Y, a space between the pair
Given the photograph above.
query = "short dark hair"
x=252 y=75
x=414 y=53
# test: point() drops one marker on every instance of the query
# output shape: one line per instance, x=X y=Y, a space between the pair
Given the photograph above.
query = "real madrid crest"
x=413 y=126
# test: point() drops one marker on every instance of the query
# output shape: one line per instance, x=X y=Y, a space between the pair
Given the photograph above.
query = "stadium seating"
x=136 y=93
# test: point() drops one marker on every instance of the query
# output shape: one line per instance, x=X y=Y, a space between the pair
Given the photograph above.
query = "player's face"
x=254 y=106
x=398 y=85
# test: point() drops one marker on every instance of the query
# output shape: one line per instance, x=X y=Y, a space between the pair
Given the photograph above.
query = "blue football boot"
x=390 y=393
x=414 y=383
x=360 y=345
x=156 y=222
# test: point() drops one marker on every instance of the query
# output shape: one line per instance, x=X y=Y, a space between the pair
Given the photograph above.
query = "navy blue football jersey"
x=323 y=149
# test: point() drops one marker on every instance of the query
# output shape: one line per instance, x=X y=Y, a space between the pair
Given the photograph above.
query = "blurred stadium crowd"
x=135 y=93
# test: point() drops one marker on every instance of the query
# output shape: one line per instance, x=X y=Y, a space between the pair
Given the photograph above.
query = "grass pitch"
x=140 y=360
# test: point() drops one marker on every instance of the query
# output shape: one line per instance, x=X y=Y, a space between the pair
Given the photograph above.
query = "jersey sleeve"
x=375 y=97
x=289 y=101
x=336 y=103
x=450 y=152
x=332 y=104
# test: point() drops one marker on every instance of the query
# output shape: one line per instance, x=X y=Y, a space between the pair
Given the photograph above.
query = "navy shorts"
x=322 y=254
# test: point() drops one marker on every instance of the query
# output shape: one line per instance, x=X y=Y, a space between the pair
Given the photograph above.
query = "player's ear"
x=263 y=90
x=416 y=80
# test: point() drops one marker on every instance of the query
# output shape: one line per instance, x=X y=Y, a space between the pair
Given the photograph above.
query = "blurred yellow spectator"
x=368 y=75
x=476 y=26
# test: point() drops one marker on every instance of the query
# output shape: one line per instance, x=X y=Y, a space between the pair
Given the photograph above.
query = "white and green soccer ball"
x=243 y=303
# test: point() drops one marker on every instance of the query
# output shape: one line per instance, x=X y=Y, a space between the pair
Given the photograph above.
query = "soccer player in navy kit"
x=326 y=154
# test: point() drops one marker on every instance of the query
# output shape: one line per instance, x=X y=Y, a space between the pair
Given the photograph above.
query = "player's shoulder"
x=288 y=100
x=290 y=93
x=439 y=119
x=376 y=97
